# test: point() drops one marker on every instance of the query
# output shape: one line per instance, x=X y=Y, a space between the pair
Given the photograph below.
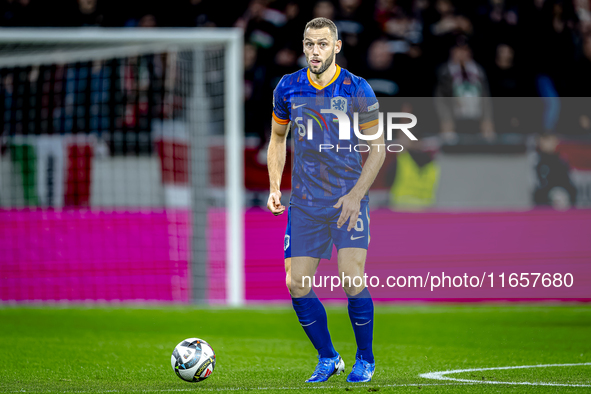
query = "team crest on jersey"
x=286 y=242
x=339 y=103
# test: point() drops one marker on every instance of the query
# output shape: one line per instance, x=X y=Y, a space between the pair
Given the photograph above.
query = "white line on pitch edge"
x=440 y=375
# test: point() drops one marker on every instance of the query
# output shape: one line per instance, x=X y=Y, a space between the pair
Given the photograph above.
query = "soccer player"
x=329 y=201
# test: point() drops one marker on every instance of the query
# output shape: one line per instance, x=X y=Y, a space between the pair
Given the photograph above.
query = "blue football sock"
x=361 y=315
x=312 y=317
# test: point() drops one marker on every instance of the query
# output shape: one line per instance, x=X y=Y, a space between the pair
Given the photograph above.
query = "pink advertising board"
x=83 y=255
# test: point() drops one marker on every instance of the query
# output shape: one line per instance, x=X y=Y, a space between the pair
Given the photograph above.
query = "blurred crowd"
x=407 y=48
x=424 y=48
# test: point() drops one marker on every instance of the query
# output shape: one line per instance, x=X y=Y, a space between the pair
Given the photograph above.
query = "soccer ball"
x=193 y=360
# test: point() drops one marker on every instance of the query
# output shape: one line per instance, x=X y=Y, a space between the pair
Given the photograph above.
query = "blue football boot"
x=326 y=368
x=362 y=371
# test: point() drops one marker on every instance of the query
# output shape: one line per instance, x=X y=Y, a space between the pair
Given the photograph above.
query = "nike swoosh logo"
x=357 y=324
x=293 y=106
x=309 y=324
x=354 y=238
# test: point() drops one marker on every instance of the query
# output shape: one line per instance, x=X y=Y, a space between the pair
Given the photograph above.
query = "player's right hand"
x=274 y=203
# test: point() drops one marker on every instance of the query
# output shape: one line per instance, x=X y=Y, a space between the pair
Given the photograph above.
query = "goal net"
x=121 y=170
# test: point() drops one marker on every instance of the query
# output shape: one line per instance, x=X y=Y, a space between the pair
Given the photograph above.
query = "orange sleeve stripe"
x=279 y=120
x=369 y=124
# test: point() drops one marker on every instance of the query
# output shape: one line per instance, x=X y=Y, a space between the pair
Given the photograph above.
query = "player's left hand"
x=350 y=211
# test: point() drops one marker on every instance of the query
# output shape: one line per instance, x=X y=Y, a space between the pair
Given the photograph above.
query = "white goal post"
x=24 y=47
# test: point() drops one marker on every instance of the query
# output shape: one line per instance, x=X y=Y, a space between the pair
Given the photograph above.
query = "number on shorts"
x=359 y=224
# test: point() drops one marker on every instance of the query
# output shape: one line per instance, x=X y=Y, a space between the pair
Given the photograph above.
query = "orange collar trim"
x=336 y=75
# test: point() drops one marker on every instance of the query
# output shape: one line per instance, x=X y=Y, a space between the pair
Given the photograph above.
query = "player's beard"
x=324 y=66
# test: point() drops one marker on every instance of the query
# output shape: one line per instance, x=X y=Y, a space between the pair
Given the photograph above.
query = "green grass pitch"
x=264 y=349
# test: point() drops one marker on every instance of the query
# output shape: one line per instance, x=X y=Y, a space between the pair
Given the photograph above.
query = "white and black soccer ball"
x=193 y=360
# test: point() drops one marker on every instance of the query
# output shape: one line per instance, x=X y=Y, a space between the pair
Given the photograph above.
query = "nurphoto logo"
x=345 y=129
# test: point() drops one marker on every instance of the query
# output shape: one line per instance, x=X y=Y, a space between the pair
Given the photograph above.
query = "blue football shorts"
x=312 y=231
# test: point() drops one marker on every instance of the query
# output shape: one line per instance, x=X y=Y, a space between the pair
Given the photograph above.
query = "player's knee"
x=288 y=280
x=352 y=281
x=299 y=292
x=297 y=287
x=288 y=273
x=351 y=290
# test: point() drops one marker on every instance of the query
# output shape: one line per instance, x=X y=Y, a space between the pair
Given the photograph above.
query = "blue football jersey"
x=321 y=174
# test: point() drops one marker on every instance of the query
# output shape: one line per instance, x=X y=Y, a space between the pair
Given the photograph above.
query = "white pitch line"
x=430 y=375
x=441 y=375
